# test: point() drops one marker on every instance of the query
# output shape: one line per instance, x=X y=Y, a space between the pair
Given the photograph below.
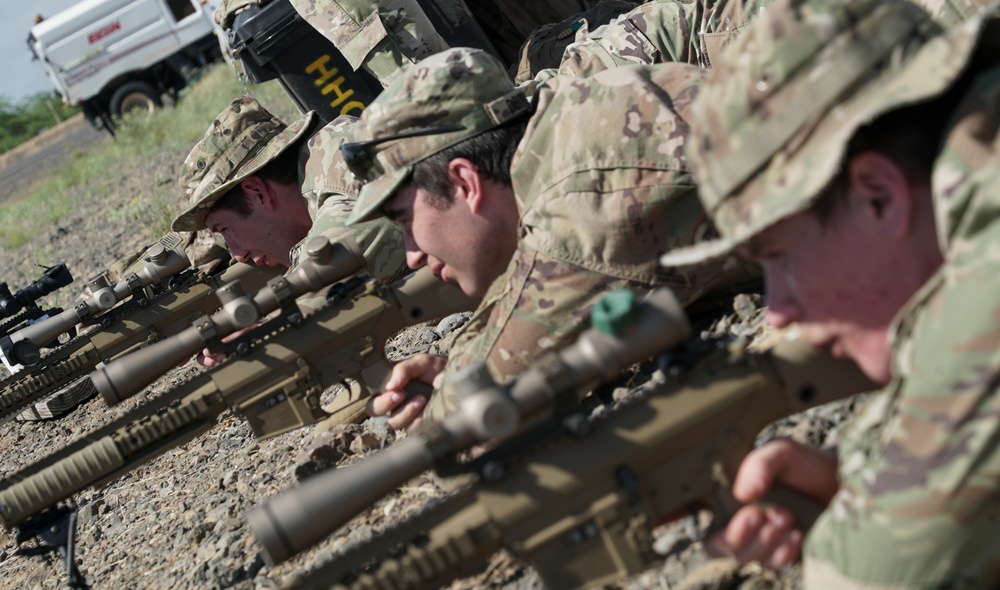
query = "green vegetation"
x=145 y=154
x=21 y=121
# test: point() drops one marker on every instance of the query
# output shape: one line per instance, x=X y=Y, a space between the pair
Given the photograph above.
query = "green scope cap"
x=614 y=312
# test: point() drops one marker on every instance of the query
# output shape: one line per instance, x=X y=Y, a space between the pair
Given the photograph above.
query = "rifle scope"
x=54 y=277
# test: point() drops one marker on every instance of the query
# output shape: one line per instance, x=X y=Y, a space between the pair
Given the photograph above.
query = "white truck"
x=112 y=56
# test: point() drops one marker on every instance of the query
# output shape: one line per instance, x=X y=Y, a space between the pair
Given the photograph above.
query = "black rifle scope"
x=53 y=278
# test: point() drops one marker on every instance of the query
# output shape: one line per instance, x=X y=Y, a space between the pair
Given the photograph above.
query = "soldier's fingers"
x=785 y=552
x=412 y=368
x=206 y=358
x=404 y=415
x=760 y=468
x=415 y=424
x=383 y=403
x=807 y=470
x=740 y=532
x=774 y=532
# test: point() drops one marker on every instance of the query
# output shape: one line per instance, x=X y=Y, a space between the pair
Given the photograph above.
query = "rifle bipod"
x=56 y=531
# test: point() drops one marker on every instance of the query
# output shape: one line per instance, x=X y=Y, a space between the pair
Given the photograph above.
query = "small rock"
x=323 y=452
x=86 y=514
x=206 y=553
x=670 y=543
x=452 y=323
x=367 y=441
x=746 y=306
x=619 y=393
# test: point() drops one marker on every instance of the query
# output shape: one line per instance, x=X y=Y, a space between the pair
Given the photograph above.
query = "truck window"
x=181 y=8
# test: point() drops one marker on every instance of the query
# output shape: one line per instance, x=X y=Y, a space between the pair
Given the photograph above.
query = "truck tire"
x=135 y=96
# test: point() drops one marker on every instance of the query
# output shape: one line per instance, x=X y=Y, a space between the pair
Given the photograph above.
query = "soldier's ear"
x=882 y=190
x=466 y=183
x=259 y=191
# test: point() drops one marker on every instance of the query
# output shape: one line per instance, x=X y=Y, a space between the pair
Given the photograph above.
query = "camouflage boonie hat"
x=441 y=101
x=241 y=140
x=772 y=123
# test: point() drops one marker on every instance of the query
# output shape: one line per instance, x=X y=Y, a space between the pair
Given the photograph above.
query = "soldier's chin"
x=876 y=364
x=472 y=289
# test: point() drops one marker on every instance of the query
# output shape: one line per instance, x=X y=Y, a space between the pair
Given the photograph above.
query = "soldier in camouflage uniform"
x=851 y=149
x=266 y=189
x=587 y=207
x=544 y=47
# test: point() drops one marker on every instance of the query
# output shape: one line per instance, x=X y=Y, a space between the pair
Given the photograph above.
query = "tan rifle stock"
x=162 y=316
x=277 y=387
x=581 y=510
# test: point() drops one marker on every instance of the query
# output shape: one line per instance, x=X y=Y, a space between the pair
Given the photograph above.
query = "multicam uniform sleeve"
x=383 y=37
x=331 y=191
x=919 y=504
x=661 y=31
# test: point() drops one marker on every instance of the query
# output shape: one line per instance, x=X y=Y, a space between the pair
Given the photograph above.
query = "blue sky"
x=21 y=76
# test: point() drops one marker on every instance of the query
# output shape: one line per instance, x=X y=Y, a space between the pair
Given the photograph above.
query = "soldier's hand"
x=768 y=534
x=403 y=412
x=207 y=358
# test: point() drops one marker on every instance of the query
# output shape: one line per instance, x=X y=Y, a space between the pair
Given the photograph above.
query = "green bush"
x=22 y=121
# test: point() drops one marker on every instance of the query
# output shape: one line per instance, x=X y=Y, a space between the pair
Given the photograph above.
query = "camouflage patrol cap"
x=240 y=141
x=443 y=100
x=772 y=123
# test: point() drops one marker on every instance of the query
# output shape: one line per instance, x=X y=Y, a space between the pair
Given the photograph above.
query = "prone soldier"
x=540 y=235
x=267 y=187
x=860 y=170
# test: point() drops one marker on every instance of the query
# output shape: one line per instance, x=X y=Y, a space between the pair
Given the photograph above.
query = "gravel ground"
x=178 y=521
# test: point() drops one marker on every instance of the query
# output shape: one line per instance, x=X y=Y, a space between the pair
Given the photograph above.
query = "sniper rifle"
x=576 y=497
